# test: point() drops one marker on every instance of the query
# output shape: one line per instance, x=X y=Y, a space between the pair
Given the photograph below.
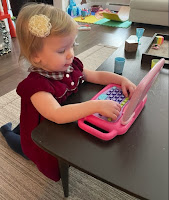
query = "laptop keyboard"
x=115 y=94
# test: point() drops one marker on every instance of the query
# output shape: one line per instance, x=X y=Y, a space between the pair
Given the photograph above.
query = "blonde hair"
x=62 y=25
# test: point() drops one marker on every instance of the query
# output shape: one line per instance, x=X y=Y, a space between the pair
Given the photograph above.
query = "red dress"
x=30 y=117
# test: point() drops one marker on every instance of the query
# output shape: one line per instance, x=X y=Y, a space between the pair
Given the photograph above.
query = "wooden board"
x=162 y=52
x=121 y=16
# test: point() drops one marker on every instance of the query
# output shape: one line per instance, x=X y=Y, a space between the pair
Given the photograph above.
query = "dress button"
x=72 y=83
x=67 y=75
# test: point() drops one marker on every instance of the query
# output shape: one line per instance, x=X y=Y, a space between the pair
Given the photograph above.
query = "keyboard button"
x=102 y=97
x=122 y=104
x=126 y=99
x=122 y=96
x=109 y=119
x=114 y=94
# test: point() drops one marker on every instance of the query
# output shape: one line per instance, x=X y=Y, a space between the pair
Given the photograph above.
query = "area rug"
x=89 y=19
x=108 y=22
x=21 y=180
x=95 y=56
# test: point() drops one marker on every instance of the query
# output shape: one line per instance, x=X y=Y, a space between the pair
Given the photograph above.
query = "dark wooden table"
x=136 y=162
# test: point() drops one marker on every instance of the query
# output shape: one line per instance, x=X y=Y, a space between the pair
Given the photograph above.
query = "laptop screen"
x=141 y=91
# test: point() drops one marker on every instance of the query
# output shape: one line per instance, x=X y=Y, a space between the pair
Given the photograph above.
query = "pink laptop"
x=105 y=128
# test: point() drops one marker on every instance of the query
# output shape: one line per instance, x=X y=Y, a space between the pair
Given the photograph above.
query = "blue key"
x=102 y=97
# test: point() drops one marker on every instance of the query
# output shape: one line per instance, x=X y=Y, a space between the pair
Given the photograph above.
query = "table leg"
x=64 y=173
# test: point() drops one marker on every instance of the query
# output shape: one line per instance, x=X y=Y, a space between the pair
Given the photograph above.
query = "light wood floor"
x=11 y=72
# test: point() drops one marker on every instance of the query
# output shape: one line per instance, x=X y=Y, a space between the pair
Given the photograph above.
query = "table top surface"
x=136 y=162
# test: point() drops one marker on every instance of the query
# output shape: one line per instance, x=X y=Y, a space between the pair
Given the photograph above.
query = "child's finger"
x=116 y=112
x=131 y=89
x=125 y=91
x=118 y=107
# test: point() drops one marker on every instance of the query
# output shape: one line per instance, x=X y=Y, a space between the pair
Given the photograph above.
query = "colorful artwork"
x=159 y=40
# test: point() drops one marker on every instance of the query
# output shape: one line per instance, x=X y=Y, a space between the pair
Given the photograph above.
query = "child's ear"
x=36 y=58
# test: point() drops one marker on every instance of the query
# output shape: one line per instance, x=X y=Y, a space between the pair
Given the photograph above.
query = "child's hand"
x=109 y=108
x=128 y=87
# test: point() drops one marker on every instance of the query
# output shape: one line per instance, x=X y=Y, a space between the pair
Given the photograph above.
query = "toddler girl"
x=46 y=37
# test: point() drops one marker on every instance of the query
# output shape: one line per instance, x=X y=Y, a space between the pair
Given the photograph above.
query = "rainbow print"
x=159 y=39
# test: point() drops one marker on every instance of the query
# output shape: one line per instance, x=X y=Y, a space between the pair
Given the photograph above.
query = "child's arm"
x=105 y=78
x=49 y=108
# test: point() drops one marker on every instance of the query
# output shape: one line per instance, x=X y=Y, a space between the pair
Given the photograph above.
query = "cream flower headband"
x=39 y=25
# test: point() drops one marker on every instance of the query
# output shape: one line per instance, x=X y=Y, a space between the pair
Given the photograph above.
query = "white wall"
x=63 y=4
x=1 y=8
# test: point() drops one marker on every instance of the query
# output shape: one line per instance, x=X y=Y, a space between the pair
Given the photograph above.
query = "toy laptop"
x=105 y=128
